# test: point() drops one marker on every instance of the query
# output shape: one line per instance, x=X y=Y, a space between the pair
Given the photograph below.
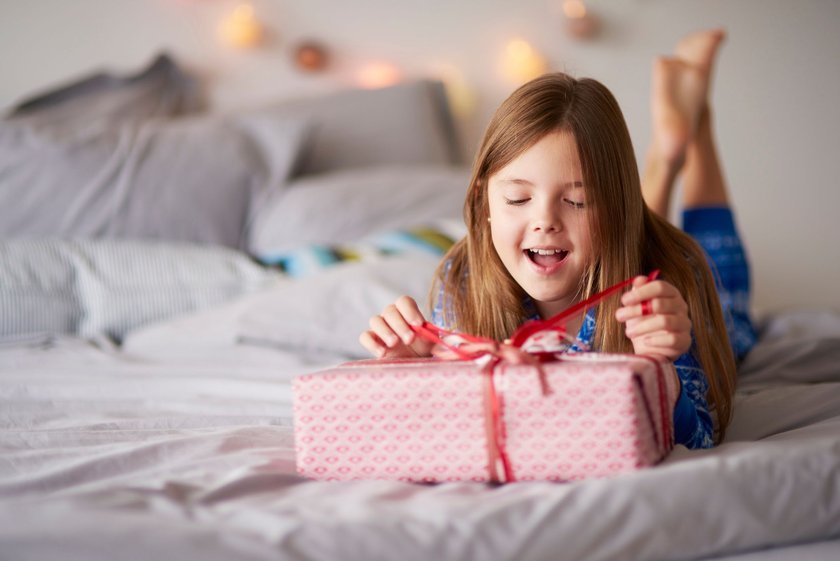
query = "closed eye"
x=516 y=202
x=574 y=204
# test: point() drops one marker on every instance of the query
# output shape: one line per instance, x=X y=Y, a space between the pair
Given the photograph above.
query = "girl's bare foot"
x=699 y=50
x=678 y=97
x=679 y=102
x=681 y=92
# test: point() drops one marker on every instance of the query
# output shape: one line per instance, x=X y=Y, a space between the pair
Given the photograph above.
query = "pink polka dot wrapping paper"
x=426 y=420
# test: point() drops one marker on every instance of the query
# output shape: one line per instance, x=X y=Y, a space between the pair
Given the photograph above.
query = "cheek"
x=496 y=237
x=587 y=241
x=583 y=235
x=504 y=233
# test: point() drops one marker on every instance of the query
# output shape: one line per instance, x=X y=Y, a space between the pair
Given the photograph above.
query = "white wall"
x=776 y=90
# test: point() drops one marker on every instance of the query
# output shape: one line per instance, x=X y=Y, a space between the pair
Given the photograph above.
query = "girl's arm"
x=693 y=425
x=657 y=322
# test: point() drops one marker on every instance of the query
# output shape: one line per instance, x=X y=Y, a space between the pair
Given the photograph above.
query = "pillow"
x=334 y=208
x=408 y=123
x=327 y=312
x=37 y=289
x=317 y=319
x=163 y=89
x=110 y=287
x=434 y=240
x=190 y=179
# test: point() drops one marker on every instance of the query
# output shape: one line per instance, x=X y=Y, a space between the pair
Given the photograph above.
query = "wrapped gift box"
x=584 y=415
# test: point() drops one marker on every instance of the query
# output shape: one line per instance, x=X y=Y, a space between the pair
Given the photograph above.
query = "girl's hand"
x=390 y=336
x=656 y=318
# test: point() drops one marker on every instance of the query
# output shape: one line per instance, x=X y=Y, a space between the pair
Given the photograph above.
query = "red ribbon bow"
x=512 y=351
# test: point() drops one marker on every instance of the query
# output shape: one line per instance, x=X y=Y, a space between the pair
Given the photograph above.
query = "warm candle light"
x=574 y=9
x=521 y=62
x=458 y=91
x=580 y=23
x=378 y=75
x=241 y=29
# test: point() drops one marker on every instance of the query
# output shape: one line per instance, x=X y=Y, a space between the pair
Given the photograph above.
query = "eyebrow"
x=517 y=181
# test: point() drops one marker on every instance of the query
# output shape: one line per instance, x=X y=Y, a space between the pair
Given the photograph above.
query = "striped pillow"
x=432 y=240
x=112 y=286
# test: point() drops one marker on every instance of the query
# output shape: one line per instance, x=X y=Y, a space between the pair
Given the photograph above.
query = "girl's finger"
x=629 y=313
x=409 y=310
x=398 y=324
x=666 y=340
x=659 y=322
x=647 y=308
x=382 y=329
x=372 y=344
x=648 y=291
x=672 y=351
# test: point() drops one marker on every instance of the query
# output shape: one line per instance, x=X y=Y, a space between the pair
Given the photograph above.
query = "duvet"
x=179 y=444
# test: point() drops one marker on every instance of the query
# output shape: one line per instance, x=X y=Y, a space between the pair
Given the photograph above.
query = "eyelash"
x=520 y=202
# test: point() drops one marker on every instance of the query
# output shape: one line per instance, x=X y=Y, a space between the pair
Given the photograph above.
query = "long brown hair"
x=482 y=298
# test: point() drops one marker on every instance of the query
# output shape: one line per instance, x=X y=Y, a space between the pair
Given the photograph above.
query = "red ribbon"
x=509 y=352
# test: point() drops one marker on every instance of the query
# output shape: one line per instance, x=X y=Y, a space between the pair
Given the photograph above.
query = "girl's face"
x=539 y=222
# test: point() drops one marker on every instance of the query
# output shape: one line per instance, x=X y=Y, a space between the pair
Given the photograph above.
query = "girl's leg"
x=683 y=143
x=703 y=182
x=708 y=217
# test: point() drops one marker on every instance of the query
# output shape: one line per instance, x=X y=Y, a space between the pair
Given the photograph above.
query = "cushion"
x=409 y=123
x=162 y=89
x=335 y=208
x=190 y=179
x=110 y=287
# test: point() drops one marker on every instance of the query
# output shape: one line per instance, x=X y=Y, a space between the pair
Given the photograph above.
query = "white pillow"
x=338 y=207
x=328 y=311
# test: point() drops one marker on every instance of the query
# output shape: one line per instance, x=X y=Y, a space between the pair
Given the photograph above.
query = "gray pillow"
x=341 y=206
x=110 y=287
x=406 y=124
x=162 y=89
x=189 y=179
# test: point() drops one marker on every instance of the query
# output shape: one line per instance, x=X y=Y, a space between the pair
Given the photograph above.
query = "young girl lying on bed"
x=555 y=213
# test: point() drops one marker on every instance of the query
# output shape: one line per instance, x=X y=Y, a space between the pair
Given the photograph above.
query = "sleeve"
x=693 y=426
x=442 y=314
x=437 y=308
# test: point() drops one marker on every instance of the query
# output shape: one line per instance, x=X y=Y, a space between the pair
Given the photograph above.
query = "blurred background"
x=776 y=89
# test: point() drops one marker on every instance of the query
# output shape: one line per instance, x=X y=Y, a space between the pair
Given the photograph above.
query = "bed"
x=166 y=273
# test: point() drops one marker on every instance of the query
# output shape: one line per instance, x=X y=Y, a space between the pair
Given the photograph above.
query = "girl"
x=555 y=213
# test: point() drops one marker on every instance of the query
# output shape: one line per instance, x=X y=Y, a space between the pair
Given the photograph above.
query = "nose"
x=546 y=219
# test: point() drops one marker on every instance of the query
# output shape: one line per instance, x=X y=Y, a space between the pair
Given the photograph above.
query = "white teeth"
x=546 y=251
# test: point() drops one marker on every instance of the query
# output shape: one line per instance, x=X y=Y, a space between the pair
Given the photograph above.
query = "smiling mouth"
x=546 y=257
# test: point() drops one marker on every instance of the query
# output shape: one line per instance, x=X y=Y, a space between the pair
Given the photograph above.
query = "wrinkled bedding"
x=179 y=444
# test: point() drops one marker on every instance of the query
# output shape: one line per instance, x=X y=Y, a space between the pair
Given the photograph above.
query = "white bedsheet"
x=185 y=451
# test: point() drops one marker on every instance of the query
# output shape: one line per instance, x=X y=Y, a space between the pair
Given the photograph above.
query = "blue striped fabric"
x=433 y=239
x=714 y=229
